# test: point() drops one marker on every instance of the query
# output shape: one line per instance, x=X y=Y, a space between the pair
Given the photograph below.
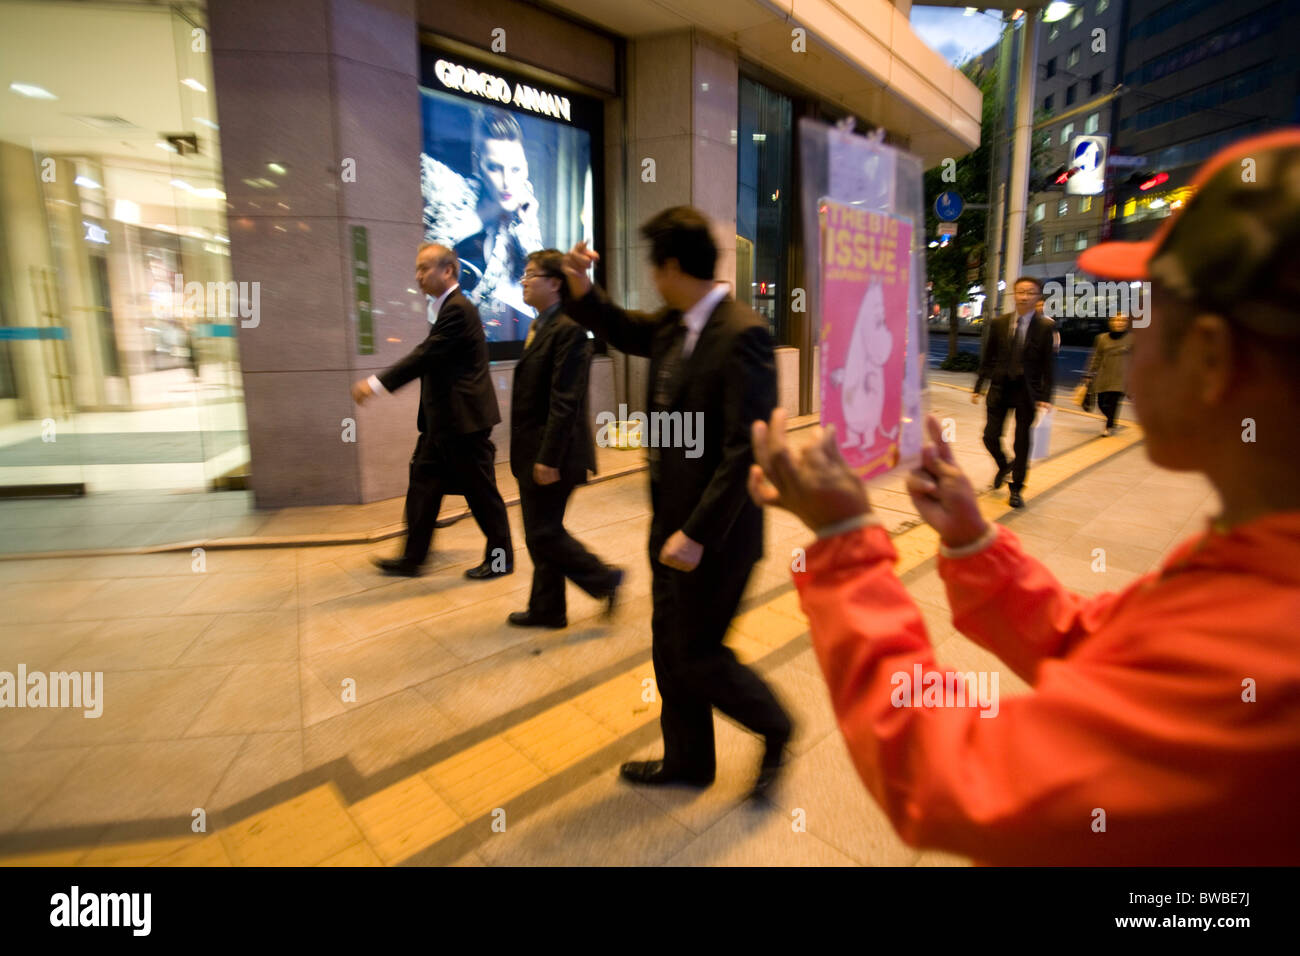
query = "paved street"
x=227 y=689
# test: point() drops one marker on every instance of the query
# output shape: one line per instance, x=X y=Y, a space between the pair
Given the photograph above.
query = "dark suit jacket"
x=456 y=392
x=549 y=418
x=730 y=377
x=1038 y=359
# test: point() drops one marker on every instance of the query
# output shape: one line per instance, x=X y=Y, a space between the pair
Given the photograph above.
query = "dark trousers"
x=457 y=465
x=1108 y=405
x=556 y=554
x=694 y=671
x=1004 y=396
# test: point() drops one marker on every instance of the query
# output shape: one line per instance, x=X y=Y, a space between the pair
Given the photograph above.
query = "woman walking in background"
x=1108 y=368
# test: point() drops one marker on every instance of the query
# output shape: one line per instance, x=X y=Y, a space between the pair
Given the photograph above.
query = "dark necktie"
x=1017 y=346
x=667 y=379
x=669 y=374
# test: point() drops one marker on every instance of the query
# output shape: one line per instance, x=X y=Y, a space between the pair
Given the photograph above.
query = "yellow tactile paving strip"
x=318 y=828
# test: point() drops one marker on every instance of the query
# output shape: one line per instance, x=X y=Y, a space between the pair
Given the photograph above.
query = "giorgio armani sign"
x=465 y=79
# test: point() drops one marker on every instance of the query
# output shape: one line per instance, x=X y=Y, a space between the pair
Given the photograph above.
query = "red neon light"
x=1155 y=180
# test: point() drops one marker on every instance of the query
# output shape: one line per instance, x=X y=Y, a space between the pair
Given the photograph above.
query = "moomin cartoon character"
x=862 y=379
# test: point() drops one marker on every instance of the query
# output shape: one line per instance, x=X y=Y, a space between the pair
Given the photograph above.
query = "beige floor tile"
x=379 y=735
x=44 y=602
x=137 y=781
x=29 y=778
x=1125 y=555
x=599 y=824
x=240 y=638
x=263 y=761
x=402 y=602
x=318 y=701
x=385 y=663
x=758 y=834
x=44 y=569
x=255 y=698
x=491 y=687
x=135 y=643
x=40 y=646
x=137 y=706
x=1076 y=574
x=738 y=754
x=127 y=597
x=807 y=699
x=241 y=591
x=593 y=645
x=837 y=807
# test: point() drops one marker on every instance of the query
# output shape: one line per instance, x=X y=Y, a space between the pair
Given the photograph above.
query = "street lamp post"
x=1021 y=147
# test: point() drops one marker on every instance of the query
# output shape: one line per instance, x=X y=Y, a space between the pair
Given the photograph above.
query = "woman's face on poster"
x=503 y=168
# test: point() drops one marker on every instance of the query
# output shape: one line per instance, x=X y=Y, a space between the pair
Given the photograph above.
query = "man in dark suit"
x=1018 y=361
x=458 y=407
x=712 y=374
x=551 y=448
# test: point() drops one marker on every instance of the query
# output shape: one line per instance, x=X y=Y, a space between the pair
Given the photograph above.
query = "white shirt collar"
x=437 y=303
x=697 y=316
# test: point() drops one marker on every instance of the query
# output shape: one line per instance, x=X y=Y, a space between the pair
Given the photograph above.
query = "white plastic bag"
x=1040 y=438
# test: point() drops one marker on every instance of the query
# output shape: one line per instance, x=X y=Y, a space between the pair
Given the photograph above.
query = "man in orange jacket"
x=1164 y=722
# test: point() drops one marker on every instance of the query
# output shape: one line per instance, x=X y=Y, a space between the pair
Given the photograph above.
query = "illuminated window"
x=1040 y=212
x=1058 y=244
x=1038 y=247
x=1085 y=203
x=1062 y=208
x=1102 y=5
x=1077 y=18
x=1081 y=241
x=1073 y=58
x=1092 y=123
x=1066 y=132
x=1130 y=207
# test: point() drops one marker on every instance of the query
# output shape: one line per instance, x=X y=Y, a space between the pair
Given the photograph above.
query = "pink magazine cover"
x=865 y=263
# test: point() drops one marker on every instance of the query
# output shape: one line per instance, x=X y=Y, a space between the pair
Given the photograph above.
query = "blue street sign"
x=948 y=206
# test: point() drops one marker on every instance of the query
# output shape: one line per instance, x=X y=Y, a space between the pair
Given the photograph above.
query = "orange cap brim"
x=1119 y=260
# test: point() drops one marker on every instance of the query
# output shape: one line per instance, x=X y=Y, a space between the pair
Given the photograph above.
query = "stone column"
x=321 y=88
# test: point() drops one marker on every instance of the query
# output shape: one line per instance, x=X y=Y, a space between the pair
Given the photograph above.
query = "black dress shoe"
x=1016 y=500
x=1001 y=476
x=527 y=619
x=398 y=567
x=485 y=571
x=611 y=596
x=773 y=755
x=652 y=773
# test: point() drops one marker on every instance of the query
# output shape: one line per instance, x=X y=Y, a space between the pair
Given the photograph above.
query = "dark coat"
x=1038 y=359
x=456 y=392
x=549 y=416
x=730 y=379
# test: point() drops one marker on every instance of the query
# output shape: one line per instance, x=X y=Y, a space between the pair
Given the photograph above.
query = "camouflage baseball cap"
x=1233 y=246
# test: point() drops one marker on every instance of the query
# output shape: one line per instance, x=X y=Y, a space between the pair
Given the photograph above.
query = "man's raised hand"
x=577 y=264
x=943 y=494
